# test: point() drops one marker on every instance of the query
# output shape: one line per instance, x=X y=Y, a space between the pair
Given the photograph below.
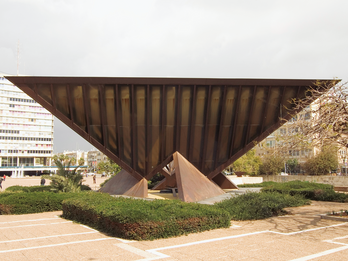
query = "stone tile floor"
x=301 y=235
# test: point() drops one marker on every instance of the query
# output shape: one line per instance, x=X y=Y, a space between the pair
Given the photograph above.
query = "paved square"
x=299 y=236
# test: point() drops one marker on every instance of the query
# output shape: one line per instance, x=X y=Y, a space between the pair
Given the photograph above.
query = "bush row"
x=257 y=185
x=142 y=219
x=260 y=205
x=309 y=190
x=37 y=188
x=28 y=189
x=35 y=202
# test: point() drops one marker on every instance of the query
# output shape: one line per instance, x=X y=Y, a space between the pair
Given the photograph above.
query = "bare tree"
x=324 y=122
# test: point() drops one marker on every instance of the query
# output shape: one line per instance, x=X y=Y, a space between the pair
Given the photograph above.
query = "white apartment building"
x=26 y=132
x=301 y=154
x=94 y=157
x=77 y=154
x=91 y=158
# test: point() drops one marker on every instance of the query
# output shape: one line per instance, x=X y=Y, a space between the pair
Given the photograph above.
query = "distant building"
x=76 y=154
x=94 y=157
x=91 y=158
x=26 y=132
x=301 y=154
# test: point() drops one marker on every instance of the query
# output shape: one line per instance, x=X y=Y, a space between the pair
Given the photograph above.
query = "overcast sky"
x=197 y=38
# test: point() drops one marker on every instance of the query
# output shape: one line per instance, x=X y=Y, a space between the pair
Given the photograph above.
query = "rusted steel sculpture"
x=188 y=129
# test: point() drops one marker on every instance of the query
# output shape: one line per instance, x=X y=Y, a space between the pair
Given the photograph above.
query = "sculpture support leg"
x=223 y=182
x=192 y=185
x=125 y=184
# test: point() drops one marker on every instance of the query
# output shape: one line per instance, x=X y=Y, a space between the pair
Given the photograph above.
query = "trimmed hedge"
x=85 y=188
x=38 y=188
x=251 y=206
x=34 y=202
x=141 y=219
x=28 y=189
x=257 y=185
x=309 y=190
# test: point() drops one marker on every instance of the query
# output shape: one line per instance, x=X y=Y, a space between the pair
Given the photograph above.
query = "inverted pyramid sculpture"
x=141 y=122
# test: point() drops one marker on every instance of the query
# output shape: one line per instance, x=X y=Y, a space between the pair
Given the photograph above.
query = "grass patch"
x=142 y=219
x=251 y=206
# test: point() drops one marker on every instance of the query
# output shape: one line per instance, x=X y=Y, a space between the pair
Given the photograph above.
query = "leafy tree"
x=73 y=161
x=323 y=163
x=249 y=163
x=65 y=180
x=272 y=164
x=108 y=166
x=62 y=158
x=292 y=165
x=81 y=162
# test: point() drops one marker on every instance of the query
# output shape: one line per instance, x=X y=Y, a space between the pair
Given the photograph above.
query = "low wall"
x=244 y=180
x=332 y=180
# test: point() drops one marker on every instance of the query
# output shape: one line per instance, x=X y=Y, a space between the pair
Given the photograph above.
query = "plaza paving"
x=301 y=235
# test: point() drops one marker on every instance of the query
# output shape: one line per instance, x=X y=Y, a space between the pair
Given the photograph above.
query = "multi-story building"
x=302 y=154
x=94 y=157
x=26 y=132
x=275 y=140
x=91 y=158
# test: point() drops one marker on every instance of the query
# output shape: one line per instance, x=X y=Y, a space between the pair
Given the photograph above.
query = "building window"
x=270 y=143
x=307 y=116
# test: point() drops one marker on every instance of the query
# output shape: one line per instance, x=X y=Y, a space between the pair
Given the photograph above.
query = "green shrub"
x=38 y=188
x=107 y=180
x=252 y=206
x=28 y=189
x=85 y=188
x=309 y=190
x=155 y=180
x=34 y=202
x=65 y=180
x=257 y=185
x=142 y=219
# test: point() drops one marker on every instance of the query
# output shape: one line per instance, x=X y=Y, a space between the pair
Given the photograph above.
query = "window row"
x=27 y=151
x=10 y=131
x=27 y=126
x=306 y=116
x=22 y=100
x=24 y=138
x=33 y=114
x=298 y=152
